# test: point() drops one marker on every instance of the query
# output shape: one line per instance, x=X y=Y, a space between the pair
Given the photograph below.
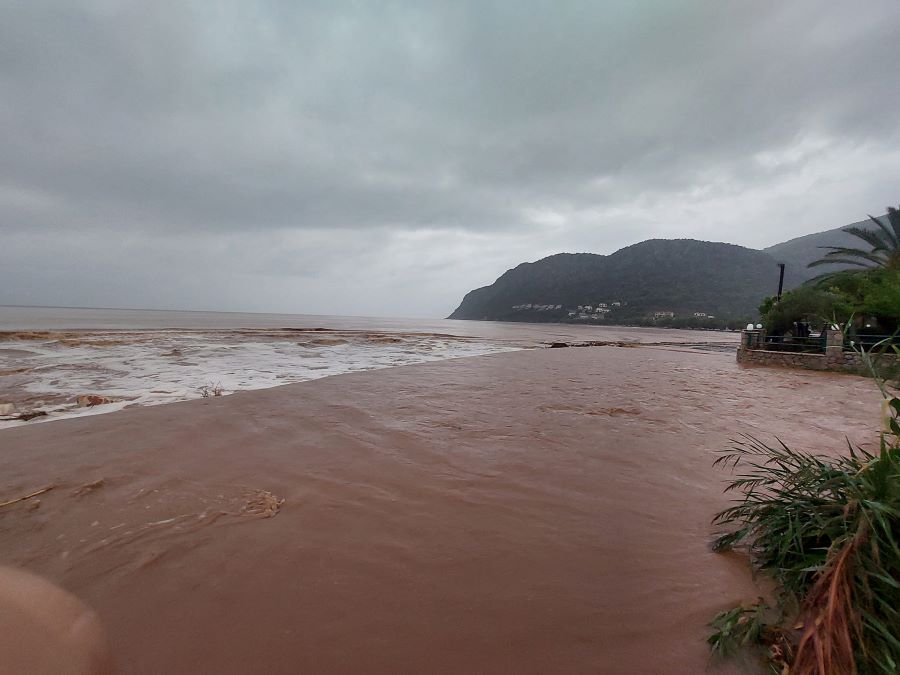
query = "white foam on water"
x=155 y=367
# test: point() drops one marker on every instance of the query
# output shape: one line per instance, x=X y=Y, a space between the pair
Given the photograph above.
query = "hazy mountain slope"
x=799 y=252
x=682 y=275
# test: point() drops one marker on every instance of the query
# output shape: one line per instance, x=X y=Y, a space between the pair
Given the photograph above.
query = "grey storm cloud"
x=385 y=157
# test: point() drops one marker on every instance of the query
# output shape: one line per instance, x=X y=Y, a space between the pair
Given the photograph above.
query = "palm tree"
x=884 y=242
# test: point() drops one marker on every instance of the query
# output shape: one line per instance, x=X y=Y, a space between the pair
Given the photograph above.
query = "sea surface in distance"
x=59 y=362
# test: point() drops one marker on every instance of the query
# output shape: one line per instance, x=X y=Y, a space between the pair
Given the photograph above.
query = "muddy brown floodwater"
x=540 y=511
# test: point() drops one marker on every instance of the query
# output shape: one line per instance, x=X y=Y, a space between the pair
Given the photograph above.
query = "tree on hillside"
x=884 y=243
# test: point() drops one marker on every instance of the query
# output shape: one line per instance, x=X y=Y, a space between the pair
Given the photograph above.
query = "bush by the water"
x=871 y=297
x=809 y=304
x=828 y=532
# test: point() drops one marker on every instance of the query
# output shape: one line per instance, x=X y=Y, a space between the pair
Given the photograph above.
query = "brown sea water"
x=54 y=360
x=539 y=511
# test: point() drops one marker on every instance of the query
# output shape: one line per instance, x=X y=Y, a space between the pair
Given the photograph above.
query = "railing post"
x=834 y=345
x=751 y=339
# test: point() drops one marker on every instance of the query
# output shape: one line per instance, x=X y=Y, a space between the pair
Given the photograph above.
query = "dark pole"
x=780 y=280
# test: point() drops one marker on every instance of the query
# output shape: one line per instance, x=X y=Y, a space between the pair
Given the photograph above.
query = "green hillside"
x=682 y=276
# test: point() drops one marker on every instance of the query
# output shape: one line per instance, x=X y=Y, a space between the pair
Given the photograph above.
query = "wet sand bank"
x=529 y=512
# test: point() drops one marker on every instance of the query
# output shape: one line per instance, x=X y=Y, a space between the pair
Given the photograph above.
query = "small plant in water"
x=735 y=629
x=828 y=532
x=208 y=390
x=750 y=628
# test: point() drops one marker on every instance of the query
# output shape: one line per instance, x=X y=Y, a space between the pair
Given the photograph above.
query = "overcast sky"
x=383 y=158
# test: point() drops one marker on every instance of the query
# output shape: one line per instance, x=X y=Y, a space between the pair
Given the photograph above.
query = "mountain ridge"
x=802 y=250
x=687 y=277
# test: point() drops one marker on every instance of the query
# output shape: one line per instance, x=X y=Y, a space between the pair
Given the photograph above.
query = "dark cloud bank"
x=384 y=158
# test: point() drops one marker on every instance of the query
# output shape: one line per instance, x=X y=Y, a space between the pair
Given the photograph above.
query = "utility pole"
x=780 y=281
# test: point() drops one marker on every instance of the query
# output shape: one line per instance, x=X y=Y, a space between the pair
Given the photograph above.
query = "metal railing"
x=876 y=343
x=814 y=344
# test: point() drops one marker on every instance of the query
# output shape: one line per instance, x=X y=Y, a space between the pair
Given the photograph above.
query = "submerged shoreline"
x=52 y=375
x=48 y=375
x=535 y=512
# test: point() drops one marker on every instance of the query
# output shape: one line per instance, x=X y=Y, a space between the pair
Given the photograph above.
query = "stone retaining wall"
x=834 y=357
x=792 y=360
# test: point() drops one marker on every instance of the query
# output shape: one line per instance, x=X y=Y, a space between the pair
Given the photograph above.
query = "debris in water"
x=87 y=488
x=25 y=416
x=262 y=503
x=90 y=400
x=28 y=496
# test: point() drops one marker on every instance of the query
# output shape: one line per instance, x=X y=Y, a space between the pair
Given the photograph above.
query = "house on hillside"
x=663 y=315
x=700 y=315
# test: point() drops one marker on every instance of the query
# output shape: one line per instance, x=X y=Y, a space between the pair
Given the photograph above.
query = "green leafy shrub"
x=871 y=296
x=807 y=303
x=874 y=294
x=827 y=530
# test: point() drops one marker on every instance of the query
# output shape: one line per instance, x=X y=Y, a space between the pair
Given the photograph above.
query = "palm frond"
x=820 y=279
x=893 y=216
x=839 y=261
x=891 y=229
x=875 y=256
x=884 y=241
x=877 y=240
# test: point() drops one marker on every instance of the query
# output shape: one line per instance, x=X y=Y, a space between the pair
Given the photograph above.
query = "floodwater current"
x=527 y=511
